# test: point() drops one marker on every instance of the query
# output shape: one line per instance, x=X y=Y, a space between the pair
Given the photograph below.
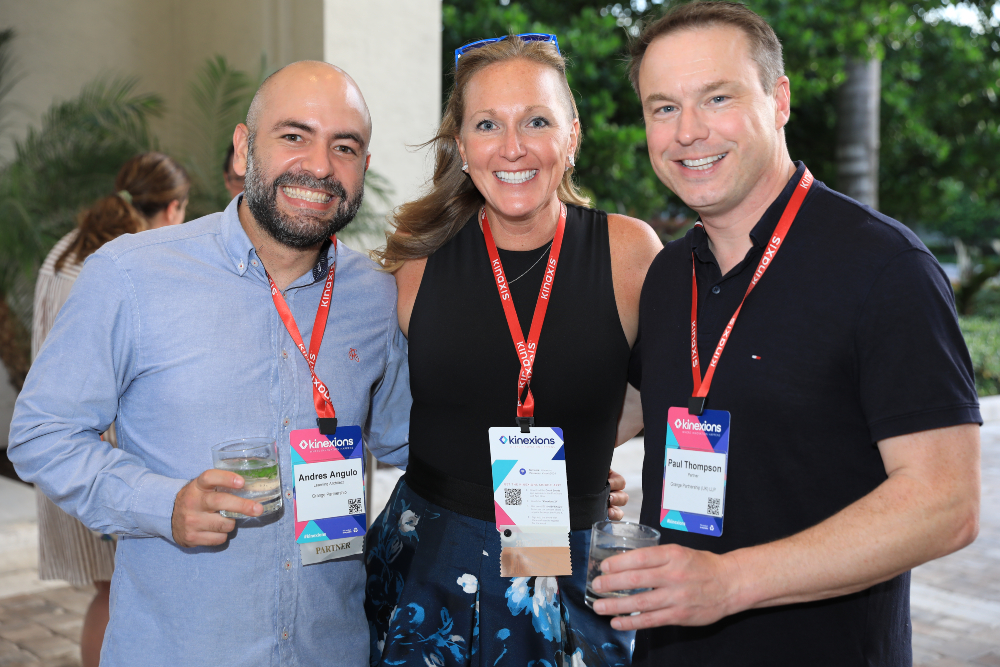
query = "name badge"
x=531 y=501
x=328 y=482
x=694 y=471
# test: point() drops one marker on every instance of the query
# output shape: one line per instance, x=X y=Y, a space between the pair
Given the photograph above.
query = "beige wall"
x=396 y=60
x=63 y=44
x=391 y=47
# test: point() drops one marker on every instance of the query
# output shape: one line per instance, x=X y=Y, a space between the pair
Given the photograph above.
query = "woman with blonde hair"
x=504 y=244
x=151 y=191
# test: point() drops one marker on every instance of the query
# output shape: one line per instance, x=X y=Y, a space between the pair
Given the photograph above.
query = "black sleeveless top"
x=464 y=367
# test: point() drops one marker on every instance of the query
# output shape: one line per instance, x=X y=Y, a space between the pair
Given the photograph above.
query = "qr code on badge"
x=713 y=506
x=354 y=506
x=512 y=496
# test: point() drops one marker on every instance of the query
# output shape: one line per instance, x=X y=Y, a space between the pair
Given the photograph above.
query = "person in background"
x=234 y=182
x=151 y=191
x=506 y=152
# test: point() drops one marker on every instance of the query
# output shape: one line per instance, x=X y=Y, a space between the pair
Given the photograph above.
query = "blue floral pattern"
x=434 y=596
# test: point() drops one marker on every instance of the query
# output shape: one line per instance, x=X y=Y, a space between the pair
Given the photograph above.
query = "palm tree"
x=57 y=170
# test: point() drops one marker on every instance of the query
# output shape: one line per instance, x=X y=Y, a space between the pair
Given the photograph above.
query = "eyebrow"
x=305 y=127
x=493 y=112
x=297 y=124
x=353 y=136
x=707 y=88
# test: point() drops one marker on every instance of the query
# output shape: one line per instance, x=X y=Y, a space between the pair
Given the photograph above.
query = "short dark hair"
x=765 y=48
x=227 y=164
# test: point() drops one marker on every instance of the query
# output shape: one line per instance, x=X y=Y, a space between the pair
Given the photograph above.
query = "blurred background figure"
x=234 y=182
x=151 y=191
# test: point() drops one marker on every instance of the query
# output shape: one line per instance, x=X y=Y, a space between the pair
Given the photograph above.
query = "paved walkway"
x=955 y=601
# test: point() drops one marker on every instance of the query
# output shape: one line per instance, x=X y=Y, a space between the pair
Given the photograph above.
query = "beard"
x=302 y=229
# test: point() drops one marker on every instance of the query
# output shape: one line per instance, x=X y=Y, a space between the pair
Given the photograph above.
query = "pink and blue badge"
x=694 y=471
x=328 y=484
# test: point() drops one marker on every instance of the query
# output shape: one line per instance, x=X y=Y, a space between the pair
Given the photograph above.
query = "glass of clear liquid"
x=256 y=460
x=610 y=538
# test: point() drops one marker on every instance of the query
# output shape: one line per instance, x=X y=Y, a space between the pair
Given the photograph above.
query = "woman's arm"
x=634 y=244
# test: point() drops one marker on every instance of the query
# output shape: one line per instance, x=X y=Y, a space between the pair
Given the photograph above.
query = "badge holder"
x=328 y=482
x=694 y=471
x=531 y=500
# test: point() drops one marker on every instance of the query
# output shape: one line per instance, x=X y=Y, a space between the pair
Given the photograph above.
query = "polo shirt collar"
x=762 y=231
x=241 y=251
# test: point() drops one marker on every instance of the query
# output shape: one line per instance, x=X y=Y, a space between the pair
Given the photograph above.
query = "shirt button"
x=286 y=421
x=288 y=494
x=716 y=289
x=284 y=354
x=284 y=634
x=254 y=262
x=288 y=565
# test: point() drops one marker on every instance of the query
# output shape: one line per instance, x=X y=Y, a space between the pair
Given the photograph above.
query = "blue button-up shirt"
x=173 y=333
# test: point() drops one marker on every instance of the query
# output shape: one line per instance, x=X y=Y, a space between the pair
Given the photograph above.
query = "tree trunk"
x=858 y=131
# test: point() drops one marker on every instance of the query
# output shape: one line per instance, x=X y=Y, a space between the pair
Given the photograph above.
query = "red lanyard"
x=525 y=350
x=327 y=420
x=697 y=403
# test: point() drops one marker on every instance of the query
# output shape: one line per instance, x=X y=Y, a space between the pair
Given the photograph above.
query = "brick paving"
x=43 y=629
x=955 y=600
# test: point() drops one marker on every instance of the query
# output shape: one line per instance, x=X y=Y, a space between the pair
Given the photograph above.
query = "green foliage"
x=64 y=165
x=219 y=98
x=987 y=303
x=940 y=87
x=982 y=335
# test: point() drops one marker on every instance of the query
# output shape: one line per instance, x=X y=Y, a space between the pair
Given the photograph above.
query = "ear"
x=574 y=137
x=461 y=148
x=368 y=161
x=782 y=102
x=240 y=136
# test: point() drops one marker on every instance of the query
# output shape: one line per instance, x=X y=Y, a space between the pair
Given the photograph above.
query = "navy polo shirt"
x=851 y=337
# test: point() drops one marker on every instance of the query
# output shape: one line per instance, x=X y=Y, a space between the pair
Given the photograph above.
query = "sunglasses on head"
x=525 y=36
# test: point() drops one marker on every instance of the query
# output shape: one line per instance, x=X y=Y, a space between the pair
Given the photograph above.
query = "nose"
x=691 y=127
x=513 y=147
x=317 y=160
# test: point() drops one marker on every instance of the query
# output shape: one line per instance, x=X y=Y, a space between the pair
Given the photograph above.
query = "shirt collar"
x=241 y=251
x=761 y=232
x=234 y=238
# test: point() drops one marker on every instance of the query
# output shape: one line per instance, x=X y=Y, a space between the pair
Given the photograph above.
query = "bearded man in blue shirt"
x=174 y=335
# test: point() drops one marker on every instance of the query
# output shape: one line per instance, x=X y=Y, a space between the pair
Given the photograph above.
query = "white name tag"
x=695 y=482
x=328 y=489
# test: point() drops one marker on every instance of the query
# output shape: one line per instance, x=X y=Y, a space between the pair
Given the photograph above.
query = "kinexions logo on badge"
x=503 y=440
x=325 y=444
x=687 y=425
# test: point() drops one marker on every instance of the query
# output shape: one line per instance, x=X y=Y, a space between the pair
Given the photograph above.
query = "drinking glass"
x=256 y=460
x=609 y=538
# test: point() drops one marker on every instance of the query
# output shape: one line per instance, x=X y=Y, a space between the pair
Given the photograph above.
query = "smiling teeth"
x=516 y=176
x=703 y=163
x=307 y=195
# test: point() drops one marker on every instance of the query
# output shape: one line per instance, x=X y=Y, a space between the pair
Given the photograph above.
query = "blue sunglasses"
x=525 y=36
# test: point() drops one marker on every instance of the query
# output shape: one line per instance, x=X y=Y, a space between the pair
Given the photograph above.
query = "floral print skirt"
x=434 y=596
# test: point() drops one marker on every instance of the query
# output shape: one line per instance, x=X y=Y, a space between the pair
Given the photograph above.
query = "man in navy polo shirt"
x=806 y=449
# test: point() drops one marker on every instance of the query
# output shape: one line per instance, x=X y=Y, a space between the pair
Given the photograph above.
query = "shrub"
x=982 y=335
